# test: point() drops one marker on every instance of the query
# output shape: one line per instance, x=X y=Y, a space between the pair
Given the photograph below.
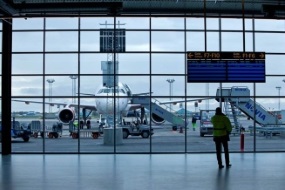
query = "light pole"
x=50 y=81
x=170 y=81
x=73 y=88
x=278 y=88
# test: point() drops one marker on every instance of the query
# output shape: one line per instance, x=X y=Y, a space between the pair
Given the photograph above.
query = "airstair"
x=238 y=97
x=160 y=111
x=231 y=111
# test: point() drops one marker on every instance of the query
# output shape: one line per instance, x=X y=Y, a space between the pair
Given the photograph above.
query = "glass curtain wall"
x=80 y=87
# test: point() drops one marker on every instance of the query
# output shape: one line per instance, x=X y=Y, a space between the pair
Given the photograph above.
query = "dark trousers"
x=219 y=143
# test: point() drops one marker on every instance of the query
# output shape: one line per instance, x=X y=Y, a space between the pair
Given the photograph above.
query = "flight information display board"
x=226 y=67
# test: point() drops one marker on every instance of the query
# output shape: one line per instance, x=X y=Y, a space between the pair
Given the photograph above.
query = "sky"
x=167 y=59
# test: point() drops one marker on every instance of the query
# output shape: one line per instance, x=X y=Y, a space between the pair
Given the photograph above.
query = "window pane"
x=195 y=41
x=269 y=88
x=134 y=63
x=168 y=64
x=232 y=41
x=1 y=64
x=96 y=23
x=270 y=42
x=27 y=118
x=167 y=23
x=164 y=138
x=89 y=41
x=91 y=63
x=1 y=41
x=168 y=86
x=62 y=86
x=213 y=41
x=167 y=41
x=27 y=86
x=273 y=64
x=195 y=23
x=28 y=23
x=27 y=41
x=269 y=25
x=137 y=84
x=27 y=64
x=231 y=24
x=61 y=64
x=61 y=23
x=61 y=41
x=212 y=23
x=202 y=89
x=133 y=23
x=137 y=41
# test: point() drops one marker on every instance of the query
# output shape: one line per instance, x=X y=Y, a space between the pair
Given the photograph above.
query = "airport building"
x=116 y=81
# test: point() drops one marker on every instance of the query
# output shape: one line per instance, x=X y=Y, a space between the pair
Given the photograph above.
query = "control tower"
x=112 y=42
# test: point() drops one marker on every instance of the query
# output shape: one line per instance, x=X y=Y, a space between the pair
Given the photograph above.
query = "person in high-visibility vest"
x=75 y=123
x=194 y=122
x=222 y=128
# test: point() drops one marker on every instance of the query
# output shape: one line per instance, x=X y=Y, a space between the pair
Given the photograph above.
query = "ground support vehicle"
x=74 y=132
x=206 y=127
x=22 y=133
x=36 y=128
x=51 y=132
x=136 y=130
x=55 y=132
x=18 y=131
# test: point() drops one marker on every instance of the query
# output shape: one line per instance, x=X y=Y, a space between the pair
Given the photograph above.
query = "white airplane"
x=108 y=101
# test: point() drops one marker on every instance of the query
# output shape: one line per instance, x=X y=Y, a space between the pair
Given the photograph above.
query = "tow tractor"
x=134 y=124
x=18 y=131
x=136 y=130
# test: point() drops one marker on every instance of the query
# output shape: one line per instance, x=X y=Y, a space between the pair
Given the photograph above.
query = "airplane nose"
x=119 y=106
x=107 y=105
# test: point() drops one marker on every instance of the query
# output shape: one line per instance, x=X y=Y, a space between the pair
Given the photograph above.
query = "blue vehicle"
x=18 y=131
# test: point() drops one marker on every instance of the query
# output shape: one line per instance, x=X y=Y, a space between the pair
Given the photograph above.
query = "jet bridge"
x=239 y=97
x=160 y=111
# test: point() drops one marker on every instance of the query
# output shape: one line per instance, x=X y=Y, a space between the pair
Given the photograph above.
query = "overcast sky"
x=138 y=63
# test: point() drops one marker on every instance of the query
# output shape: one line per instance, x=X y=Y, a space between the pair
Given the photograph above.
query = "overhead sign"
x=226 y=66
x=112 y=40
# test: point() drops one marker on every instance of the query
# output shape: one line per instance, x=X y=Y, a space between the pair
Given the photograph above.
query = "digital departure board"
x=226 y=67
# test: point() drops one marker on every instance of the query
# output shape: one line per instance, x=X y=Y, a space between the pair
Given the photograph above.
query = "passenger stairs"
x=231 y=111
x=158 y=110
x=239 y=97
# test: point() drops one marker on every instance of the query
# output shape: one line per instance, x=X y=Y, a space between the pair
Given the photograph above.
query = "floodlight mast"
x=278 y=88
x=73 y=87
x=50 y=81
x=170 y=81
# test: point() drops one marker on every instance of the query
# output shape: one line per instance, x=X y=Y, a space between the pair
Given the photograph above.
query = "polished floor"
x=249 y=171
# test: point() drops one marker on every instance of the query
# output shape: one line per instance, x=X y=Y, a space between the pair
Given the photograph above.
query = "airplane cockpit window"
x=108 y=90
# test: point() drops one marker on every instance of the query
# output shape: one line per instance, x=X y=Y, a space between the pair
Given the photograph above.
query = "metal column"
x=6 y=85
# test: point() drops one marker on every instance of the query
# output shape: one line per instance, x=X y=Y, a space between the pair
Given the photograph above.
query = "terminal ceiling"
x=189 y=8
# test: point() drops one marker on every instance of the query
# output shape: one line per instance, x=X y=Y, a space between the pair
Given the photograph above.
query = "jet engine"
x=66 y=115
x=156 y=119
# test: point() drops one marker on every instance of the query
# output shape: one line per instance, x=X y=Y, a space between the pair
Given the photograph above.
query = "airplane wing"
x=182 y=101
x=143 y=93
x=90 y=107
x=87 y=94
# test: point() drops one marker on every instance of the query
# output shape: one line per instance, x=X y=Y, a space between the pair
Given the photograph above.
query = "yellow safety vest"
x=221 y=125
